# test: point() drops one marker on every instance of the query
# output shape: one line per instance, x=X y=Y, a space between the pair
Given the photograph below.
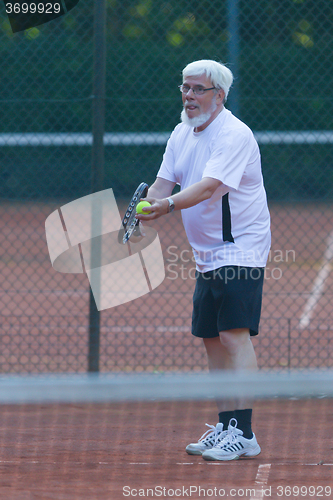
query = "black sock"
x=244 y=418
x=224 y=418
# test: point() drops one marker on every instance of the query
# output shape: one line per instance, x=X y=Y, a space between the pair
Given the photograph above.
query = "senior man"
x=215 y=159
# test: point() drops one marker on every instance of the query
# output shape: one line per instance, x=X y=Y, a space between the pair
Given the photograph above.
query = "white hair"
x=220 y=76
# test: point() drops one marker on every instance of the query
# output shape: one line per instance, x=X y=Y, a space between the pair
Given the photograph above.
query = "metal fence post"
x=97 y=172
x=233 y=54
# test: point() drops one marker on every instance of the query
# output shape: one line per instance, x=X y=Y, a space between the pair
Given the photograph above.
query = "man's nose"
x=190 y=94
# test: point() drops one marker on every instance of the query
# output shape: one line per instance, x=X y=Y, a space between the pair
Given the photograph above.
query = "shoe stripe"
x=235 y=447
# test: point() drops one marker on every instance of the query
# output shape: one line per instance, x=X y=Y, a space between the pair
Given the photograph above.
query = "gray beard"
x=198 y=120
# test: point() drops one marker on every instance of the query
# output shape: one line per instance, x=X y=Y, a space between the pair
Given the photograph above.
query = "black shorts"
x=227 y=298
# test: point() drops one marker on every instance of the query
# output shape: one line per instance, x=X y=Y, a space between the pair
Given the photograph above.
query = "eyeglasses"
x=196 y=90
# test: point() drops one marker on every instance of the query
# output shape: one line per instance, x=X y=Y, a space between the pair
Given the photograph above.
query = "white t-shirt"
x=233 y=226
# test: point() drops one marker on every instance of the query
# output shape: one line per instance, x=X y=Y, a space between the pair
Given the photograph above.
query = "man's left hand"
x=157 y=209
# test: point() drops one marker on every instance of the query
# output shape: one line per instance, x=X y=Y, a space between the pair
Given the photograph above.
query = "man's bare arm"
x=198 y=192
x=160 y=189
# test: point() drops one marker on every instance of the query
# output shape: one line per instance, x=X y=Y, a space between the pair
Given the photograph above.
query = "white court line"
x=139 y=463
x=317 y=464
x=261 y=480
x=261 y=477
x=318 y=284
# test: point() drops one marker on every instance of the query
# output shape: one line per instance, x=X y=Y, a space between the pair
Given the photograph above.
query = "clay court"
x=109 y=451
x=93 y=451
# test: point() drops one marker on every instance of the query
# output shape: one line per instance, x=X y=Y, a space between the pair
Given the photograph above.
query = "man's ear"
x=220 y=96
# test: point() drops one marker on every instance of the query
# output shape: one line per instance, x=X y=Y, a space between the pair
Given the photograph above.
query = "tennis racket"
x=129 y=222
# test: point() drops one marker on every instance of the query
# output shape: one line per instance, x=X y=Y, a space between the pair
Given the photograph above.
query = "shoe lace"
x=231 y=434
x=213 y=432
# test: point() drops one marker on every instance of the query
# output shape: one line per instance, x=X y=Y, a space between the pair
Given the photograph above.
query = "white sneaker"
x=233 y=445
x=207 y=440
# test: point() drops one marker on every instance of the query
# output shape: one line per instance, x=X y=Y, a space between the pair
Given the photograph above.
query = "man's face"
x=200 y=110
x=195 y=104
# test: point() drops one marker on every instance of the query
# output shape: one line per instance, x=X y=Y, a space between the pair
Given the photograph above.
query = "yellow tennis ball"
x=141 y=205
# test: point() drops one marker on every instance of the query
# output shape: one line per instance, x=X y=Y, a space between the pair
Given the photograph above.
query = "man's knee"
x=232 y=340
x=211 y=343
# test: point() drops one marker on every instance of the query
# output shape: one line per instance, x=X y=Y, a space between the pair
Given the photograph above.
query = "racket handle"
x=138 y=231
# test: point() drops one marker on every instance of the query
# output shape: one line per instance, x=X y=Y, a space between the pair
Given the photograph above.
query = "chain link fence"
x=280 y=52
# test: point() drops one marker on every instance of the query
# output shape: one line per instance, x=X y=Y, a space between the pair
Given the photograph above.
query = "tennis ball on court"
x=141 y=205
